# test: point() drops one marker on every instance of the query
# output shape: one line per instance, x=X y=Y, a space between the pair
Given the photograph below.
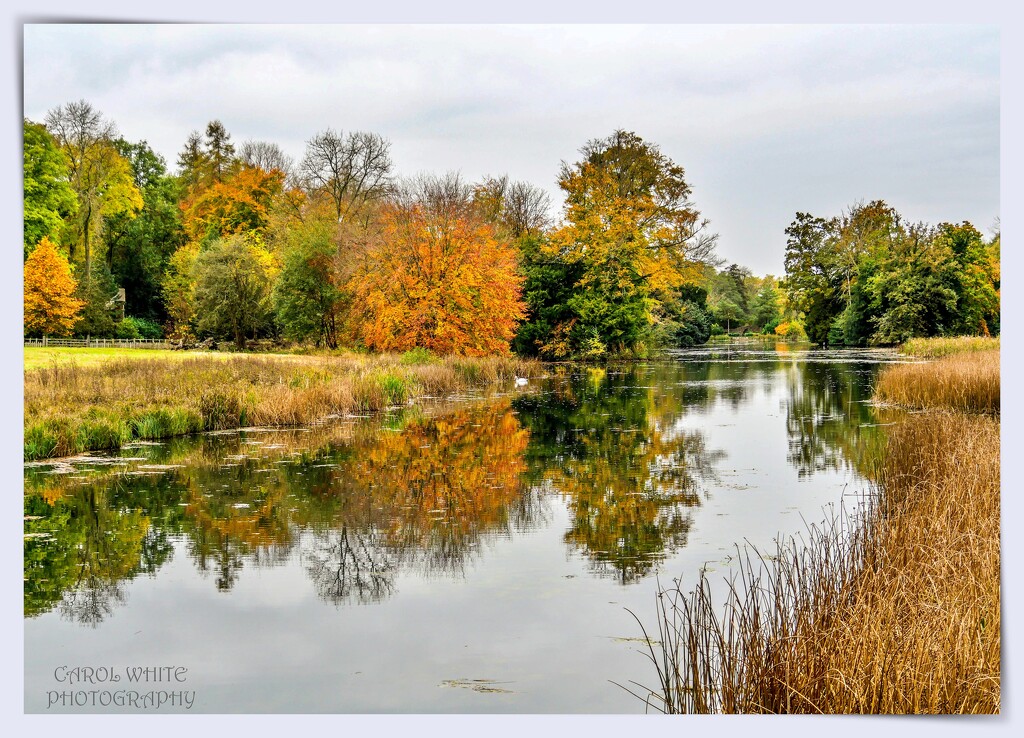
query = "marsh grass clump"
x=417 y=357
x=935 y=348
x=966 y=382
x=891 y=608
x=70 y=409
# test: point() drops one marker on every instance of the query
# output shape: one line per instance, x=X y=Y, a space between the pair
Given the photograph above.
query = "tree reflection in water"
x=610 y=444
x=357 y=504
x=426 y=497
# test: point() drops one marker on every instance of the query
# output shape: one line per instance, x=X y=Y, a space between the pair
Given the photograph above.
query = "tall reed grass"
x=934 y=348
x=893 y=607
x=966 y=382
x=71 y=408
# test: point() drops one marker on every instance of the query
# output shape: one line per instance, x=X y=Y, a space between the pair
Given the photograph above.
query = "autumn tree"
x=349 y=170
x=178 y=289
x=51 y=307
x=266 y=156
x=239 y=203
x=438 y=276
x=631 y=228
x=233 y=278
x=520 y=208
x=49 y=198
x=98 y=174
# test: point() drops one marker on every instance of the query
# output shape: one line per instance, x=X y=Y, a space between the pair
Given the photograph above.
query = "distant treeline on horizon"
x=336 y=251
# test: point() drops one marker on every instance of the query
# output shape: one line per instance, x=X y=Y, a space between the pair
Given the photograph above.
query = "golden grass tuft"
x=965 y=382
x=935 y=348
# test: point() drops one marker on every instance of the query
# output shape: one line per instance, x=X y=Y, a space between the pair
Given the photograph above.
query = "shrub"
x=417 y=357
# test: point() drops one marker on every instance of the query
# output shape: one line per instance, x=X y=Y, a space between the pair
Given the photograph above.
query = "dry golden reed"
x=893 y=608
x=934 y=348
x=968 y=382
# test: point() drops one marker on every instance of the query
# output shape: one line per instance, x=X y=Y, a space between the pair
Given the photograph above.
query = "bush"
x=127 y=329
x=791 y=330
x=417 y=357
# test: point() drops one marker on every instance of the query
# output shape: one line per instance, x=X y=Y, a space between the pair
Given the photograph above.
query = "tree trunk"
x=85 y=243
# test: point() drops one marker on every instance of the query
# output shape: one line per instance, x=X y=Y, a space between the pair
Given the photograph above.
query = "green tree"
x=49 y=199
x=139 y=248
x=766 y=308
x=547 y=288
x=308 y=300
x=727 y=297
x=100 y=315
x=233 y=279
x=977 y=278
x=814 y=278
x=220 y=152
x=98 y=174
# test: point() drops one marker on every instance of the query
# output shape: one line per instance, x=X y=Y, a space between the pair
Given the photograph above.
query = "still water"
x=478 y=555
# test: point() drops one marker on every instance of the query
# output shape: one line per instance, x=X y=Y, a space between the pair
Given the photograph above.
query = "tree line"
x=870 y=277
x=336 y=250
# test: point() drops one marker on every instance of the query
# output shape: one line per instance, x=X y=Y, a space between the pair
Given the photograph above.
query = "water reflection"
x=829 y=420
x=608 y=442
x=358 y=509
x=356 y=503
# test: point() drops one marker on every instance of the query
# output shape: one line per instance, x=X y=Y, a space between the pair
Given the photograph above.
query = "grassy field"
x=110 y=397
x=894 y=608
x=39 y=356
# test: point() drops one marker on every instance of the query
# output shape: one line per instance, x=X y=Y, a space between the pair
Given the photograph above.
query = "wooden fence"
x=144 y=343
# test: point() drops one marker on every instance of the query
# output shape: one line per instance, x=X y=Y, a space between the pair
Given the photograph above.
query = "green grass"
x=39 y=356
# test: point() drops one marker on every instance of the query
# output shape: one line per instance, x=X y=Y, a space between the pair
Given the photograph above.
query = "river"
x=474 y=554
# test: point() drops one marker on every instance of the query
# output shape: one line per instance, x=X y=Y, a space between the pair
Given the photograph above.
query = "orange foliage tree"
x=50 y=304
x=439 y=277
x=235 y=205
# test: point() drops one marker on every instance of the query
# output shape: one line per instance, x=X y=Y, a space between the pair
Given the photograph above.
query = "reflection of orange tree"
x=629 y=477
x=242 y=518
x=431 y=492
x=424 y=495
x=630 y=495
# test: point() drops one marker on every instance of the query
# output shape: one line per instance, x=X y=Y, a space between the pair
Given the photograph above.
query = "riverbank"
x=72 y=407
x=893 y=608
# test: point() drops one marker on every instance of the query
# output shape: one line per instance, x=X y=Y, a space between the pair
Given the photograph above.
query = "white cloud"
x=765 y=119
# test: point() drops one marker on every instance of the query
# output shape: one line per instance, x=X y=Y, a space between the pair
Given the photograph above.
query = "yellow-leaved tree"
x=50 y=304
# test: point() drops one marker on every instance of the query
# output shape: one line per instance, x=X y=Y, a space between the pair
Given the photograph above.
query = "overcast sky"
x=766 y=120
